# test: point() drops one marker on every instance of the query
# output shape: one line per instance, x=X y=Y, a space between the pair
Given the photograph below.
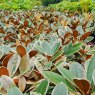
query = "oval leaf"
x=43 y=87
x=13 y=64
x=7 y=82
x=24 y=64
x=84 y=36
x=4 y=71
x=21 y=50
x=22 y=83
x=14 y=91
x=32 y=53
x=83 y=85
x=55 y=78
x=6 y=59
x=93 y=76
x=77 y=70
x=60 y=89
x=67 y=74
x=71 y=49
x=91 y=68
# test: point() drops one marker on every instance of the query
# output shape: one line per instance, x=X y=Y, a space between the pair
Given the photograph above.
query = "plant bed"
x=46 y=53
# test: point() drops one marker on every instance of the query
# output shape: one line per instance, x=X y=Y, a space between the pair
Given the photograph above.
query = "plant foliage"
x=44 y=53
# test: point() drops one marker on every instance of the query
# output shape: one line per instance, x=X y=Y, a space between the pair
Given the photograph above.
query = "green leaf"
x=87 y=64
x=55 y=78
x=43 y=87
x=67 y=74
x=71 y=49
x=93 y=76
x=88 y=39
x=13 y=64
x=48 y=65
x=57 y=55
x=55 y=48
x=39 y=48
x=59 y=63
x=77 y=70
x=46 y=47
x=80 y=29
x=61 y=32
x=60 y=89
x=14 y=91
x=6 y=48
x=6 y=82
x=91 y=68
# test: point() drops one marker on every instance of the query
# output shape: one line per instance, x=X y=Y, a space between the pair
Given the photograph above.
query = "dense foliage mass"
x=60 y=5
x=82 y=6
x=19 y=4
x=47 y=53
